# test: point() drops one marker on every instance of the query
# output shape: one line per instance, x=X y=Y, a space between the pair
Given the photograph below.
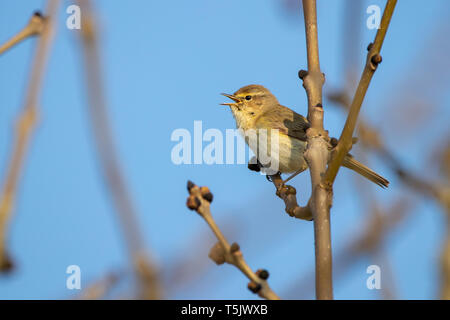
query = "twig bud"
x=204 y=190
x=217 y=254
x=206 y=194
x=302 y=74
x=208 y=197
x=376 y=59
x=234 y=247
x=190 y=185
x=334 y=142
x=193 y=202
x=263 y=274
x=254 y=287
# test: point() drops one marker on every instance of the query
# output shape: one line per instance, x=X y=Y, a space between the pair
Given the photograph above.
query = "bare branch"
x=199 y=200
x=373 y=59
x=34 y=27
x=317 y=154
x=285 y=192
x=26 y=121
x=144 y=268
x=369 y=241
x=100 y=288
x=288 y=194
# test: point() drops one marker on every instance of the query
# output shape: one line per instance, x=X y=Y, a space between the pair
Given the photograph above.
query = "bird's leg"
x=269 y=176
x=293 y=175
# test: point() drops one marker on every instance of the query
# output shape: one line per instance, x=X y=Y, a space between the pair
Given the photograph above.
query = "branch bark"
x=317 y=154
x=286 y=193
x=289 y=195
x=199 y=200
x=373 y=59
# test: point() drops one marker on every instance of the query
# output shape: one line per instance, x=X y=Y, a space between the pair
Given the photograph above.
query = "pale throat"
x=243 y=121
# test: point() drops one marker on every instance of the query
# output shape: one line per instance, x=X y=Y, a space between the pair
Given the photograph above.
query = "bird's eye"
x=248 y=98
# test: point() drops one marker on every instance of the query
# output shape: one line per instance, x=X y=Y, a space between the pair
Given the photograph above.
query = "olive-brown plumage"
x=254 y=108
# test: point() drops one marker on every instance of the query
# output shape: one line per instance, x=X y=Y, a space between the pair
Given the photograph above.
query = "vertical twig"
x=316 y=155
x=25 y=123
x=144 y=268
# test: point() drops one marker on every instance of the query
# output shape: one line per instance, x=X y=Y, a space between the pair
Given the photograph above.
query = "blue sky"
x=165 y=63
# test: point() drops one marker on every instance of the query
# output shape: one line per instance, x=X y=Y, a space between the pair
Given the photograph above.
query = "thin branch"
x=373 y=59
x=369 y=241
x=25 y=125
x=34 y=27
x=144 y=268
x=101 y=288
x=286 y=193
x=199 y=200
x=313 y=79
x=317 y=154
x=188 y=265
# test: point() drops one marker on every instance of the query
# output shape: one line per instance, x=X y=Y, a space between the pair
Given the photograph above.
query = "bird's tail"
x=351 y=163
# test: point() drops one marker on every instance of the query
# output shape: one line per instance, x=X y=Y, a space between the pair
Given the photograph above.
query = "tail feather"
x=358 y=167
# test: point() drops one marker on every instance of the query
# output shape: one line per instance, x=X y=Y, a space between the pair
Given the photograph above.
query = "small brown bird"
x=255 y=107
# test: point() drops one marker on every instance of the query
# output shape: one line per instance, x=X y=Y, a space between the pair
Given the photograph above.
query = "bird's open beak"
x=235 y=99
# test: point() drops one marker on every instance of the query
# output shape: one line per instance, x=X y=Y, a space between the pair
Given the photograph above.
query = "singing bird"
x=254 y=108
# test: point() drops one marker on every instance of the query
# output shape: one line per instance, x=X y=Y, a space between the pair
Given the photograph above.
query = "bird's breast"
x=279 y=151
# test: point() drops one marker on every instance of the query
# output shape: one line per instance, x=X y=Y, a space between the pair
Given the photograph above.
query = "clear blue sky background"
x=165 y=64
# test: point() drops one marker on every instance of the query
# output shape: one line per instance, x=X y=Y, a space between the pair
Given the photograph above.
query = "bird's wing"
x=293 y=125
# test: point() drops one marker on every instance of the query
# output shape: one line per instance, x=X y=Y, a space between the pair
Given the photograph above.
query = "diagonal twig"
x=373 y=59
x=25 y=124
x=199 y=200
x=34 y=27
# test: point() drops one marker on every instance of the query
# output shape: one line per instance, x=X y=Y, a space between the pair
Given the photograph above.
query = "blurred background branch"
x=27 y=119
x=147 y=276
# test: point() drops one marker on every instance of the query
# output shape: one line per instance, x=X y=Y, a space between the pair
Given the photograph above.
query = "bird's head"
x=249 y=102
